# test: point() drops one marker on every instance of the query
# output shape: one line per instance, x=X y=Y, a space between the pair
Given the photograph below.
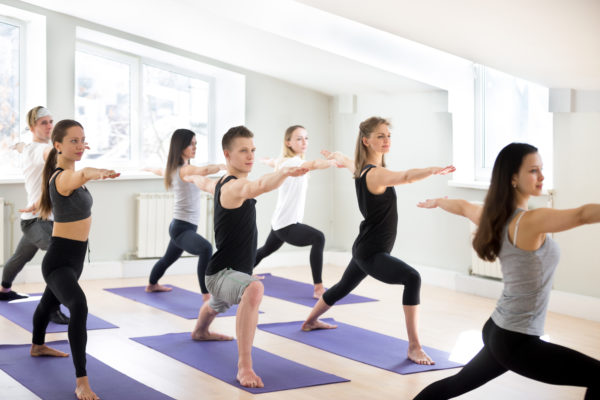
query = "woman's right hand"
x=339 y=158
x=107 y=174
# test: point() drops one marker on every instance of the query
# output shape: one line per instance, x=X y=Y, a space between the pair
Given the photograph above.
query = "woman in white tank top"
x=286 y=223
x=186 y=211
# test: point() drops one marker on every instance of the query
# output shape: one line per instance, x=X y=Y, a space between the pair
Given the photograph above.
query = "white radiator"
x=481 y=267
x=155 y=212
x=1 y=231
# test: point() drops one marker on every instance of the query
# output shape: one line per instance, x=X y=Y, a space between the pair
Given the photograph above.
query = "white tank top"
x=33 y=161
x=187 y=200
x=291 y=197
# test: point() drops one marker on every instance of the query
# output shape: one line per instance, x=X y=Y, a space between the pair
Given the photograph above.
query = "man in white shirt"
x=36 y=232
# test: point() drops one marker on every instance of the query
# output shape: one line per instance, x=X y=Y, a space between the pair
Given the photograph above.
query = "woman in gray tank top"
x=186 y=211
x=528 y=256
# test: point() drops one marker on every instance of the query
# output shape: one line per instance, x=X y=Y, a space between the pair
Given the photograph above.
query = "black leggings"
x=297 y=235
x=526 y=355
x=61 y=268
x=183 y=237
x=383 y=267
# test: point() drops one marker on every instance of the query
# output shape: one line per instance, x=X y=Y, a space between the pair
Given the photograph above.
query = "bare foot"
x=248 y=378
x=319 y=290
x=41 y=350
x=311 y=326
x=205 y=297
x=157 y=287
x=83 y=391
x=417 y=355
x=202 y=336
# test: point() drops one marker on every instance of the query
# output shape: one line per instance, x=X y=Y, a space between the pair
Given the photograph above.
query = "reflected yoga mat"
x=300 y=292
x=181 y=302
x=21 y=313
x=359 y=344
x=219 y=359
x=53 y=378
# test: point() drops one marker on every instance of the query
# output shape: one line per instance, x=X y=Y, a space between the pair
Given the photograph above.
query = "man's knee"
x=254 y=292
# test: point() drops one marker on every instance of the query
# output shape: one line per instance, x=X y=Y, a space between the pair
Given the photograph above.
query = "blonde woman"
x=371 y=250
x=286 y=223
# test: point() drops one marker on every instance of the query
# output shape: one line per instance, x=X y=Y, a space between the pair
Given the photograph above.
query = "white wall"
x=272 y=105
x=576 y=160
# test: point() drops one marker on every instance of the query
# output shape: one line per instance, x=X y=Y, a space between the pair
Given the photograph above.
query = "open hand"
x=445 y=170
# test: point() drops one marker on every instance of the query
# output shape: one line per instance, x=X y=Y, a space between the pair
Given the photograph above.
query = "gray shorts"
x=226 y=288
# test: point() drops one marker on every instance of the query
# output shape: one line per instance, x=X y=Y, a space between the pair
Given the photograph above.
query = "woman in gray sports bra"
x=64 y=194
x=528 y=256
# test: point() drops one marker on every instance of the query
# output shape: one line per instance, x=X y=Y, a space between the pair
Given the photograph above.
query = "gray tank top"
x=528 y=279
x=74 y=207
x=187 y=200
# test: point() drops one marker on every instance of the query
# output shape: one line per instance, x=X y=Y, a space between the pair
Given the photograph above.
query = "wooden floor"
x=445 y=315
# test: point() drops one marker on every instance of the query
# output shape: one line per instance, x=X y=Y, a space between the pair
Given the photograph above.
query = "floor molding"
x=572 y=304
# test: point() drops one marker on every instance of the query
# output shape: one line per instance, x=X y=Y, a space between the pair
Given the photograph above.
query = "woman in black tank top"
x=371 y=250
x=64 y=194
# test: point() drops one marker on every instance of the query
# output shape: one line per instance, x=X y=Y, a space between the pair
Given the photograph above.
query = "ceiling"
x=555 y=43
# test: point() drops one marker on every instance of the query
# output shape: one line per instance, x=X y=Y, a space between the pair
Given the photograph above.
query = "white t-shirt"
x=291 y=197
x=33 y=161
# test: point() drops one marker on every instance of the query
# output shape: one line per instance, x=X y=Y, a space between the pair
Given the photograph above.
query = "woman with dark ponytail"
x=529 y=257
x=186 y=210
x=65 y=196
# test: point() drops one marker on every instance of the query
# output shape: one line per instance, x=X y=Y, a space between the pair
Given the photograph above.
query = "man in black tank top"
x=229 y=273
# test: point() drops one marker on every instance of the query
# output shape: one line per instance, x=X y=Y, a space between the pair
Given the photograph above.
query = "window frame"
x=22 y=25
x=136 y=64
x=481 y=174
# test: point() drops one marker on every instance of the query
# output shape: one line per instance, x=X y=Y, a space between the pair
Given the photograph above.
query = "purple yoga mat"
x=300 y=292
x=219 y=359
x=359 y=344
x=53 y=378
x=21 y=313
x=181 y=302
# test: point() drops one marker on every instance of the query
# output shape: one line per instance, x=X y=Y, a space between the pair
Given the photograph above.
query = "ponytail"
x=49 y=167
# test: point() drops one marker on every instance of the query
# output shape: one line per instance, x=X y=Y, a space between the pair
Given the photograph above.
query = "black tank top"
x=378 y=230
x=235 y=235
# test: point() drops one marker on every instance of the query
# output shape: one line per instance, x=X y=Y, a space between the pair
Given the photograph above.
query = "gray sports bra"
x=75 y=207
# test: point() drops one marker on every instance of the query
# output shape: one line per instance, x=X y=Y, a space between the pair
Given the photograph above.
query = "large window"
x=508 y=109
x=130 y=106
x=10 y=83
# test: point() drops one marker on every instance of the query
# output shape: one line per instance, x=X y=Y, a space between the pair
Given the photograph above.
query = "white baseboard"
x=572 y=304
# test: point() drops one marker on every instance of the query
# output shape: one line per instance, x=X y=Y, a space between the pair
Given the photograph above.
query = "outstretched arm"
x=384 y=177
x=341 y=160
x=155 y=171
x=455 y=206
x=271 y=162
x=550 y=220
x=68 y=180
x=235 y=192
x=204 y=170
x=204 y=183
x=318 y=164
